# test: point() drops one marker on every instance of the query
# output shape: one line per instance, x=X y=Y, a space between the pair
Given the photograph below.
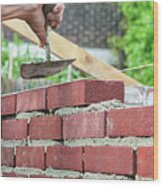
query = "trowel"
x=48 y=67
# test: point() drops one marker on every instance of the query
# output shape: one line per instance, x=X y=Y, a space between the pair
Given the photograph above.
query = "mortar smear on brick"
x=44 y=143
x=62 y=173
x=27 y=115
x=102 y=106
x=13 y=143
x=89 y=175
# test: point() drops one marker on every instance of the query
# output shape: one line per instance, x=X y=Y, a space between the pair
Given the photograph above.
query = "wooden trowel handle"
x=46 y=9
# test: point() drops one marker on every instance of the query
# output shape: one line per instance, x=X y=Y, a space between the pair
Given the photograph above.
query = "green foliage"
x=138 y=39
x=18 y=59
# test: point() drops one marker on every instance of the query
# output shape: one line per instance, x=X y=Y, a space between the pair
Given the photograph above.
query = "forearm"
x=16 y=11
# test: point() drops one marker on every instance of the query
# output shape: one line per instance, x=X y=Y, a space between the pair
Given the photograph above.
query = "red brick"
x=130 y=122
x=32 y=157
x=12 y=174
x=67 y=94
x=7 y=156
x=96 y=91
x=145 y=162
x=62 y=157
x=84 y=125
x=8 y=104
x=107 y=159
x=31 y=100
x=84 y=93
x=46 y=127
x=14 y=129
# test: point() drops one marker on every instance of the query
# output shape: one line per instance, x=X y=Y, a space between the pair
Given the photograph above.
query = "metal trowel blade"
x=43 y=69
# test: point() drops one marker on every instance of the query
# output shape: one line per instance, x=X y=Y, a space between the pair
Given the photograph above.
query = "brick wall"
x=81 y=129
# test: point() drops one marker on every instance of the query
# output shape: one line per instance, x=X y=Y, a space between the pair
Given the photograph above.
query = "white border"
x=58 y=182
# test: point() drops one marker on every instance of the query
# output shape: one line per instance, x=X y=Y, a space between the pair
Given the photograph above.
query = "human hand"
x=37 y=21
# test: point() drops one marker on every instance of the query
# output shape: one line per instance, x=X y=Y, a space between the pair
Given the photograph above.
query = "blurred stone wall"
x=90 y=24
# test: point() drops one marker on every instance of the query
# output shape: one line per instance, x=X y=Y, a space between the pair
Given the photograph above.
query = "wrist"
x=29 y=11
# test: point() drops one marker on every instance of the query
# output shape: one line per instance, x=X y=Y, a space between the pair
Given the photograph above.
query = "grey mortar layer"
x=13 y=143
x=44 y=143
x=64 y=173
x=28 y=115
x=89 y=175
x=101 y=106
x=47 y=172
x=133 y=142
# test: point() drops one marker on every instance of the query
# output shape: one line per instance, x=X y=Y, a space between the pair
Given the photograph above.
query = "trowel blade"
x=43 y=69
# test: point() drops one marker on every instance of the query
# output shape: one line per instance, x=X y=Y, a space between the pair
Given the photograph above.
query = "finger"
x=59 y=8
x=54 y=25
x=52 y=16
x=55 y=21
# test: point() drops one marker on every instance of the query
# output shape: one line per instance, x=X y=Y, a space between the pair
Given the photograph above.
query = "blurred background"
x=120 y=34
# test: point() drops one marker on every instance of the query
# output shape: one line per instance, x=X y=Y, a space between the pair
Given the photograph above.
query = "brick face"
x=96 y=91
x=46 y=127
x=130 y=122
x=7 y=156
x=145 y=162
x=106 y=159
x=62 y=157
x=67 y=94
x=32 y=157
x=14 y=129
x=31 y=100
x=84 y=93
x=84 y=125
x=8 y=105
